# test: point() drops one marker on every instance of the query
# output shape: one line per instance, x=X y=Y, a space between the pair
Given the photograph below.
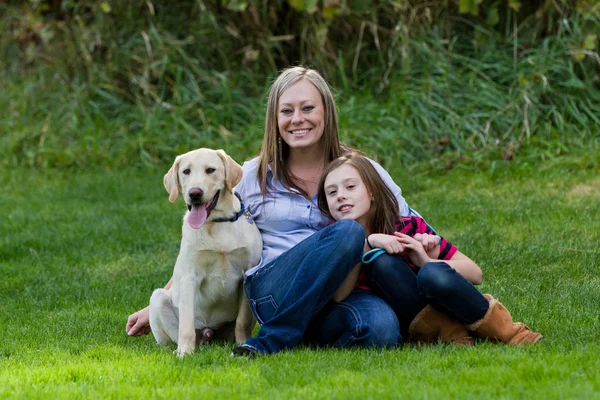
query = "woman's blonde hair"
x=384 y=211
x=271 y=153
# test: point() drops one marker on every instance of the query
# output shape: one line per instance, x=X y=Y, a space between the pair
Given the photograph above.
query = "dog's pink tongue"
x=197 y=216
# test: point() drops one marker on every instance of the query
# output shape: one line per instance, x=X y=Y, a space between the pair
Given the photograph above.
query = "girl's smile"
x=345 y=208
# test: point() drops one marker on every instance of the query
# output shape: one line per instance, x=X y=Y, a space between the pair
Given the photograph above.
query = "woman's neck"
x=306 y=169
x=305 y=159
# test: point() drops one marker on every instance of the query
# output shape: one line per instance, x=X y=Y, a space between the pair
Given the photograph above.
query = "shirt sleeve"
x=414 y=225
x=389 y=182
x=447 y=250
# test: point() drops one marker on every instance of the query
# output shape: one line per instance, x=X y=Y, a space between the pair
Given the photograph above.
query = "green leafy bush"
x=137 y=81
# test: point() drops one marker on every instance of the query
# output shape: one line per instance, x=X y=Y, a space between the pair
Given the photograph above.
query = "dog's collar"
x=237 y=215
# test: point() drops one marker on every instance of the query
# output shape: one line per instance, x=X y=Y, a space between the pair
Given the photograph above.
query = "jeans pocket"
x=263 y=308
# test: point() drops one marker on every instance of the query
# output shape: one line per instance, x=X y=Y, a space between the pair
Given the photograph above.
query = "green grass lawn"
x=80 y=251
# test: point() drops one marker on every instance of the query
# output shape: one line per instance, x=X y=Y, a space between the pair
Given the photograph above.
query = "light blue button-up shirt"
x=286 y=218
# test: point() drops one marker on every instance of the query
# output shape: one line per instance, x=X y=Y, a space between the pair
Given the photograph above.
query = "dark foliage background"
x=136 y=81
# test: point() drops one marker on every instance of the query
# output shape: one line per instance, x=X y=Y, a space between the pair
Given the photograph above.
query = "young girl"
x=435 y=299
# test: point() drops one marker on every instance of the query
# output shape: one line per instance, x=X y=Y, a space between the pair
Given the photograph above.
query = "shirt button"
x=307 y=206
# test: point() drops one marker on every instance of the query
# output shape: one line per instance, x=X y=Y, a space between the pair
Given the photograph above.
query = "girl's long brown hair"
x=270 y=153
x=384 y=211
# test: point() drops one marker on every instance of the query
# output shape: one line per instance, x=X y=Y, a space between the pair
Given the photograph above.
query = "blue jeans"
x=361 y=320
x=287 y=294
x=436 y=283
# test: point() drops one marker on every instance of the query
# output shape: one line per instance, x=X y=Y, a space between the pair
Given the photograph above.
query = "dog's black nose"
x=196 y=194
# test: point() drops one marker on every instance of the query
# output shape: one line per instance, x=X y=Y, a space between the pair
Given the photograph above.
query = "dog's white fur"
x=207 y=283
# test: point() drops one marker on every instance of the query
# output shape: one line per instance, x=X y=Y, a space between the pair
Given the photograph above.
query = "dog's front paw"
x=240 y=340
x=183 y=350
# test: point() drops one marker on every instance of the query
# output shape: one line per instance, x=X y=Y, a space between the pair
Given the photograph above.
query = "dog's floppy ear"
x=233 y=171
x=171 y=180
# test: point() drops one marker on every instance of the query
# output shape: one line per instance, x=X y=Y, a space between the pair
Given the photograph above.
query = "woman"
x=304 y=261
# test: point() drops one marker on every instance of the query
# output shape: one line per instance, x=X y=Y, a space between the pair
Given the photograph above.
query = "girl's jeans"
x=289 y=296
x=436 y=283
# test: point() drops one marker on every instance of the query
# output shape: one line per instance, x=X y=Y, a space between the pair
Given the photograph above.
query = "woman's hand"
x=138 y=323
x=414 y=249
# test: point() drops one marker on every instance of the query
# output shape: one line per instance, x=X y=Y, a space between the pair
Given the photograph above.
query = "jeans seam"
x=355 y=314
x=265 y=299
x=350 y=339
x=265 y=268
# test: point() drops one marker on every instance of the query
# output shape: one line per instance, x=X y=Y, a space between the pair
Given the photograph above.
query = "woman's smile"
x=301 y=115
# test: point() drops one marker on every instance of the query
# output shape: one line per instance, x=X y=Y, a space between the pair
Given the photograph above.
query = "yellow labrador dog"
x=219 y=243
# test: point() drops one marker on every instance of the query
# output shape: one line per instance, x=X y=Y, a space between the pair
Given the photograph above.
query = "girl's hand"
x=415 y=250
x=389 y=243
x=428 y=241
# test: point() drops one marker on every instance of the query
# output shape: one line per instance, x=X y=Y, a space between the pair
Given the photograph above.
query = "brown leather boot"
x=497 y=324
x=431 y=325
